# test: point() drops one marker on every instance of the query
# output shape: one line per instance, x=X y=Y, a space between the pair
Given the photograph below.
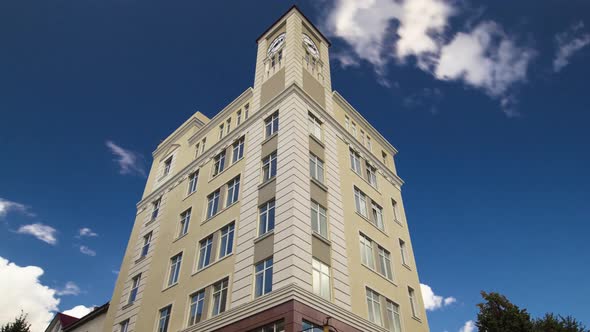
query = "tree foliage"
x=20 y=324
x=498 y=314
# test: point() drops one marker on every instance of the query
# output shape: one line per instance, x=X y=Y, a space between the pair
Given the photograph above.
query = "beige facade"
x=306 y=207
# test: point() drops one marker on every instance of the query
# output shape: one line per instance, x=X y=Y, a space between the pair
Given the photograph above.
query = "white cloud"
x=9 y=206
x=87 y=251
x=468 y=327
x=485 y=57
x=22 y=290
x=79 y=311
x=40 y=231
x=432 y=301
x=568 y=43
x=85 y=231
x=129 y=162
x=69 y=289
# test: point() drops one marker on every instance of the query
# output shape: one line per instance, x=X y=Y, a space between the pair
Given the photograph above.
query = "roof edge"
x=302 y=14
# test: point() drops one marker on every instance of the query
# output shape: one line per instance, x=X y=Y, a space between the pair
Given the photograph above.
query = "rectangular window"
x=238 y=117
x=221 y=131
x=412 y=296
x=263 y=277
x=134 y=288
x=185 y=219
x=311 y=327
x=233 y=191
x=384 y=156
x=203 y=143
x=205 y=252
x=353 y=129
x=124 y=326
x=314 y=126
x=271 y=124
x=246 y=110
x=319 y=219
x=147 y=239
x=238 y=150
x=174 y=269
x=346 y=122
x=269 y=167
x=196 y=307
x=363 y=137
x=316 y=168
x=355 y=162
x=374 y=307
x=164 y=320
x=192 y=182
x=321 y=278
x=227 y=240
x=369 y=145
x=197 y=150
x=219 y=297
x=228 y=125
x=403 y=252
x=167 y=166
x=377 y=215
x=360 y=202
x=393 y=317
x=367 y=257
x=267 y=217
x=156 y=208
x=394 y=207
x=219 y=163
x=272 y=327
x=212 y=204
x=385 y=263
x=371 y=175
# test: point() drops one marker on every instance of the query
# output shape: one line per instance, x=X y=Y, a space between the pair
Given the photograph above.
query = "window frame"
x=404 y=252
x=314 y=126
x=135 y=281
x=316 y=168
x=355 y=162
x=174 y=270
x=185 y=218
x=271 y=124
x=269 y=167
x=374 y=307
x=266 y=274
x=394 y=316
x=385 y=265
x=226 y=240
x=124 y=326
x=267 y=210
x=205 y=248
x=219 y=293
x=167 y=166
x=147 y=241
x=213 y=203
x=233 y=191
x=367 y=253
x=193 y=180
x=371 y=175
x=317 y=212
x=413 y=304
x=360 y=202
x=168 y=310
x=319 y=271
x=377 y=215
x=219 y=163
x=156 y=208
x=195 y=306
x=238 y=149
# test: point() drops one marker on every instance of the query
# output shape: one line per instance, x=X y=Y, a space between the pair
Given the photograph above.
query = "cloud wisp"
x=86 y=232
x=69 y=289
x=432 y=301
x=383 y=31
x=468 y=327
x=129 y=162
x=42 y=232
x=568 y=43
x=87 y=251
x=7 y=206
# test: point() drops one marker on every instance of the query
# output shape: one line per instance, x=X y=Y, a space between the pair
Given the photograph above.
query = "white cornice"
x=193 y=122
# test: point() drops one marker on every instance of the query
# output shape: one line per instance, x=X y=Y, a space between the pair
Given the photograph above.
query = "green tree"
x=498 y=314
x=20 y=324
x=553 y=323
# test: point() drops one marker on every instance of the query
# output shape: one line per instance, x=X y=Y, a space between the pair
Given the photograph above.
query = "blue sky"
x=487 y=103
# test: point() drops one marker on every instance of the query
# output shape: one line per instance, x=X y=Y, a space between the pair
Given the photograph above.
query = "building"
x=281 y=212
x=91 y=322
x=59 y=321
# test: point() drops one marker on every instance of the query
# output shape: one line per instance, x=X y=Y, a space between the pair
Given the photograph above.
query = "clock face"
x=276 y=44
x=310 y=45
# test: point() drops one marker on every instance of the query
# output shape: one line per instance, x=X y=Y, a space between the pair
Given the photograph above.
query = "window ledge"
x=128 y=305
x=180 y=237
x=407 y=266
x=319 y=184
x=263 y=184
x=372 y=224
x=321 y=238
x=227 y=167
x=417 y=318
x=211 y=264
x=269 y=138
x=189 y=195
x=140 y=259
x=379 y=274
x=264 y=236
x=398 y=222
x=151 y=221
x=366 y=181
x=170 y=286
x=317 y=140
x=220 y=212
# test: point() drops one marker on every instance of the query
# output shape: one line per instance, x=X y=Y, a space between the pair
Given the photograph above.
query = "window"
x=167 y=165
x=367 y=251
x=384 y=156
x=271 y=124
x=219 y=163
x=311 y=327
x=203 y=144
x=269 y=167
x=403 y=251
x=134 y=288
x=246 y=109
x=267 y=217
x=238 y=117
x=124 y=326
x=372 y=175
x=219 y=297
x=197 y=149
x=196 y=307
x=412 y=296
x=164 y=319
x=156 y=208
x=147 y=239
x=355 y=162
x=212 y=204
x=353 y=129
x=174 y=269
x=221 y=130
x=205 y=252
x=233 y=191
x=374 y=306
x=360 y=202
x=227 y=240
x=393 y=317
x=363 y=137
x=238 y=150
x=385 y=263
x=263 y=277
x=315 y=126
x=321 y=278
x=316 y=168
x=272 y=327
x=185 y=219
x=369 y=145
x=377 y=215
x=192 y=182
x=319 y=220
x=394 y=206
x=346 y=122
x=228 y=125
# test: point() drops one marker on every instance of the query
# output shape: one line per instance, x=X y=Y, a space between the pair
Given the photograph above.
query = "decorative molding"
x=193 y=122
